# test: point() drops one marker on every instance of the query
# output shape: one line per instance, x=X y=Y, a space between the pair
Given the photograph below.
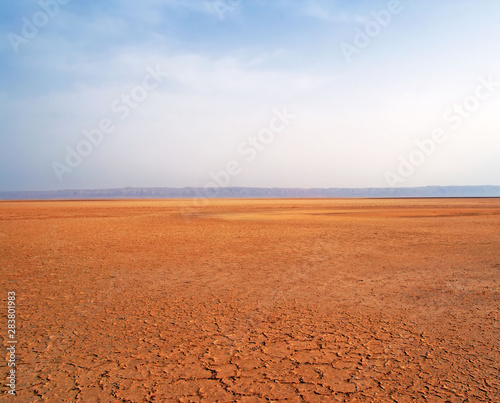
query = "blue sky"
x=227 y=67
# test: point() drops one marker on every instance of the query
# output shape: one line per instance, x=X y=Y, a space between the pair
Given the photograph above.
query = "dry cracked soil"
x=253 y=300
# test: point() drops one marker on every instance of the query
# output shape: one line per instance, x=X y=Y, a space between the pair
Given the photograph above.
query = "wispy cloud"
x=314 y=9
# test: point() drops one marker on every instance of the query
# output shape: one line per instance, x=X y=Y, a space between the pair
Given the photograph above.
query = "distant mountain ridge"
x=247 y=192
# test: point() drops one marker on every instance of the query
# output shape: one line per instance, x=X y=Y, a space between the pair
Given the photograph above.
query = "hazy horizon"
x=287 y=94
x=201 y=188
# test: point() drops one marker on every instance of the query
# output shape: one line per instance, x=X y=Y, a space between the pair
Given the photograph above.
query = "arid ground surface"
x=254 y=300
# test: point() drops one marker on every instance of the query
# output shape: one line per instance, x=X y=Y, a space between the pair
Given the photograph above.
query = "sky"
x=254 y=93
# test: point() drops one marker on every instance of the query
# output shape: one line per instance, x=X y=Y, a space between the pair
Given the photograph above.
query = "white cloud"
x=329 y=11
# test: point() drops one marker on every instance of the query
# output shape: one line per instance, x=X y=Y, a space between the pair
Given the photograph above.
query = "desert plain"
x=345 y=300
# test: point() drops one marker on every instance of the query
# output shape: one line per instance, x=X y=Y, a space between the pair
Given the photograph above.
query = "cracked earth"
x=254 y=300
